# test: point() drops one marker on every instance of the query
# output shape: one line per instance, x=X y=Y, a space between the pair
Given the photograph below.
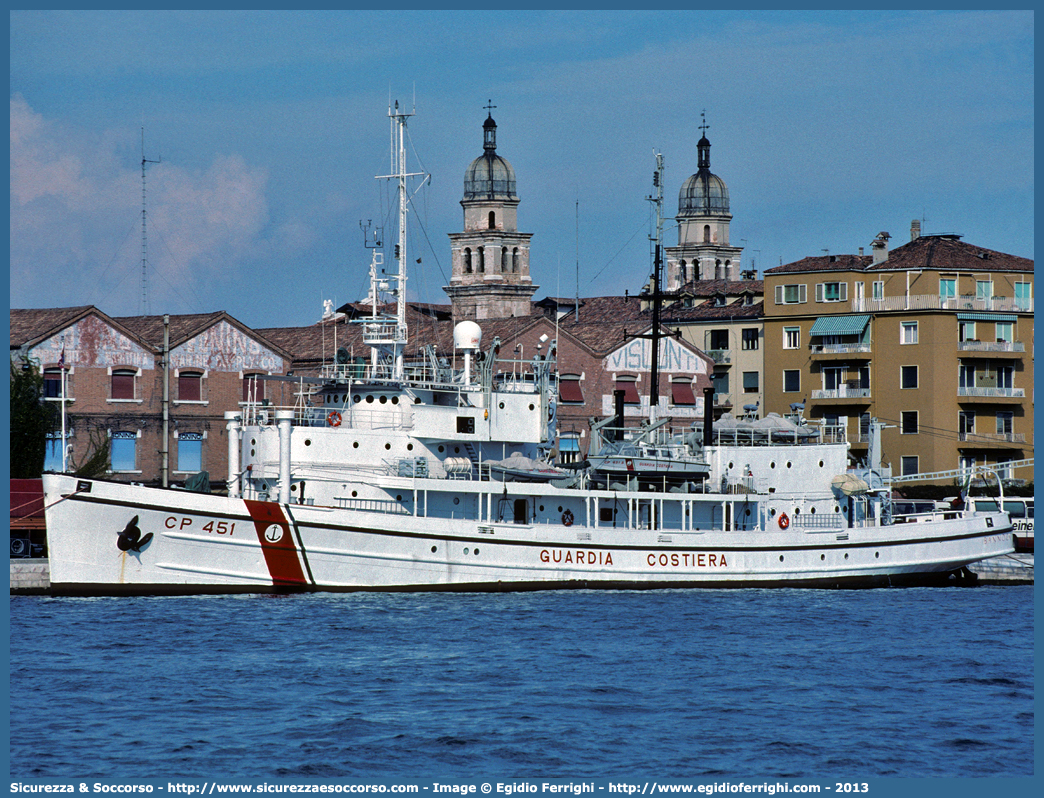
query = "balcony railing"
x=936 y=302
x=1011 y=393
x=719 y=355
x=991 y=346
x=993 y=437
x=842 y=392
x=840 y=349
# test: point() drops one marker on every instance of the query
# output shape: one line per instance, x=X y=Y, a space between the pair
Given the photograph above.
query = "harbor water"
x=932 y=682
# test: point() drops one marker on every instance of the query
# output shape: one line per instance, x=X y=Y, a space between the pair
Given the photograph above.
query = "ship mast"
x=385 y=336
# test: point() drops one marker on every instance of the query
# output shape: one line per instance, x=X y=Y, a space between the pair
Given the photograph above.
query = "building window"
x=1004 y=377
x=630 y=388
x=791 y=337
x=908 y=425
x=53 y=452
x=467 y=260
x=569 y=448
x=569 y=390
x=190 y=386
x=706 y=234
x=681 y=393
x=718 y=339
x=1024 y=296
x=52 y=384
x=791 y=380
x=122 y=384
x=190 y=452
x=1005 y=422
x=909 y=332
x=909 y=465
x=791 y=294
x=831 y=292
x=253 y=388
x=122 y=455
x=965 y=376
x=750 y=382
x=965 y=423
x=984 y=289
x=947 y=290
x=514 y=260
x=1005 y=332
x=750 y=338
x=492 y=220
x=482 y=260
x=720 y=381
x=877 y=288
x=965 y=331
x=908 y=376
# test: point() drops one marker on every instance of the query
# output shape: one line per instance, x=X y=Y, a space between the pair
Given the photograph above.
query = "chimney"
x=879 y=247
x=860 y=252
x=915 y=229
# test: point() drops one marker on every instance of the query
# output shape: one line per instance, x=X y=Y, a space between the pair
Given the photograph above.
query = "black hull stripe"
x=492 y=539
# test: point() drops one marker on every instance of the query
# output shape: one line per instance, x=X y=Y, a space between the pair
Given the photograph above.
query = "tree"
x=31 y=420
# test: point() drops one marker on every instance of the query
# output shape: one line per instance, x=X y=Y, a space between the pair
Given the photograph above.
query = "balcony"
x=990 y=438
x=992 y=347
x=991 y=393
x=936 y=302
x=842 y=392
x=721 y=357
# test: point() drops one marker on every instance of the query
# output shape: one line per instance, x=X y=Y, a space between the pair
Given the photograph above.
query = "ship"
x=434 y=473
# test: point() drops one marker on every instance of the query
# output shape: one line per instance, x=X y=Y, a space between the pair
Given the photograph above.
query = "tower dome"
x=704 y=193
x=490 y=177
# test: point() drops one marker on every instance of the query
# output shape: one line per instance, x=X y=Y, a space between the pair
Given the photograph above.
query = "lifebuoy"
x=784 y=521
x=567 y=518
x=334 y=419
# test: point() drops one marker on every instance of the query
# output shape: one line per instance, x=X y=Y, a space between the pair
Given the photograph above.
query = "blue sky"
x=828 y=127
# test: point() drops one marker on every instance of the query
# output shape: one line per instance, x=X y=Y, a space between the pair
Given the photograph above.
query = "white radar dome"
x=467 y=335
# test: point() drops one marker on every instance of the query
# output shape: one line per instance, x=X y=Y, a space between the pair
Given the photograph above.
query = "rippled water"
x=743 y=683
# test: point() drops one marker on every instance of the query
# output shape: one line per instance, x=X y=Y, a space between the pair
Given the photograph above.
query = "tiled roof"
x=824 y=263
x=946 y=252
x=33 y=324
x=708 y=288
x=710 y=311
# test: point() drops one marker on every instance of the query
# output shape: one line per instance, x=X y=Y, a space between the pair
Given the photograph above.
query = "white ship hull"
x=210 y=544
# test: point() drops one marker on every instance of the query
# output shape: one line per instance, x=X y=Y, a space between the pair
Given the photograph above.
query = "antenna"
x=576 y=312
x=144 y=308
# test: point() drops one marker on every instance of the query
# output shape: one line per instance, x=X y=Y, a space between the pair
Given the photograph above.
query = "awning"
x=568 y=445
x=570 y=391
x=986 y=317
x=840 y=325
x=681 y=393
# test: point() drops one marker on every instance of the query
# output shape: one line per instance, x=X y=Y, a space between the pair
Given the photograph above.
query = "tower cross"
x=490 y=107
x=704 y=126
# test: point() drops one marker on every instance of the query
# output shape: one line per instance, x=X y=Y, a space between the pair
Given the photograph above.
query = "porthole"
x=456 y=500
x=355 y=493
x=730 y=466
x=384 y=399
x=355 y=445
x=409 y=447
x=797 y=511
x=387 y=446
x=293 y=488
x=877 y=555
x=456 y=450
x=416 y=400
x=476 y=552
x=813 y=511
x=559 y=508
x=747 y=511
x=501 y=405
x=822 y=556
x=357 y=398
x=838 y=509
x=466 y=551
x=251 y=452
x=395 y=400
x=530 y=406
x=398 y=497
x=253 y=442
x=846 y=555
x=541 y=508
x=442 y=448
x=772 y=512
x=788 y=464
x=772 y=464
x=434 y=549
x=820 y=463
x=308 y=441
x=781 y=558
x=369 y=398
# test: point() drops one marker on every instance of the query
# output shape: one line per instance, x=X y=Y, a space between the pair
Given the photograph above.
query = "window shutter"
x=819 y=292
x=779 y=295
x=803 y=293
x=843 y=292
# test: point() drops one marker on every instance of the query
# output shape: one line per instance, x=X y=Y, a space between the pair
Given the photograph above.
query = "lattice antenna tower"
x=144 y=308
